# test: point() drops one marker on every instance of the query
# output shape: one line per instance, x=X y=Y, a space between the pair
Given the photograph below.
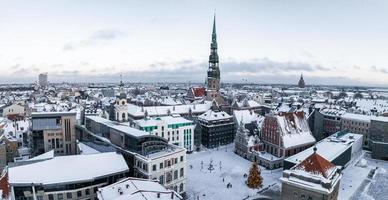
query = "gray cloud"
x=98 y=37
x=379 y=70
x=189 y=70
x=108 y=34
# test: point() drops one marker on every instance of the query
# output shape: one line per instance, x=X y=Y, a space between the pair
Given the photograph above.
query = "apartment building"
x=53 y=131
x=175 y=129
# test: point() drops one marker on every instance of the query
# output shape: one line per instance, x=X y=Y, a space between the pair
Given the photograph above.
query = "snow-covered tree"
x=255 y=180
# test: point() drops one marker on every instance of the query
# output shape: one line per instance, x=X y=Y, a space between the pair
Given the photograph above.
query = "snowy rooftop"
x=164 y=110
x=68 y=169
x=51 y=114
x=246 y=116
x=44 y=156
x=329 y=148
x=136 y=189
x=294 y=130
x=161 y=120
x=363 y=118
x=212 y=115
x=85 y=149
x=123 y=128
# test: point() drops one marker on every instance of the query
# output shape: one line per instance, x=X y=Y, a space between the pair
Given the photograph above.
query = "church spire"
x=214 y=34
x=214 y=24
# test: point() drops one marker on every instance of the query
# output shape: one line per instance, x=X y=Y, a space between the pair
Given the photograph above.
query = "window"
x=60 y=196
x=181 y=187
x=181 y=158
x=69 y=195
x=181 y=172
x=168 y=177
x=51 y=197
x=175 y=174
x=79 y=193
x=123 y=116
x=176 y=160
x=161 y=179
x=153 y=167
x=161 y=166
x=87 y=192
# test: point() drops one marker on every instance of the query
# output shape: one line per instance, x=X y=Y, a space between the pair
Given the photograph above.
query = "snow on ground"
x=376 y=187
x=205 y=184
x=352 y=178
x=356 y=184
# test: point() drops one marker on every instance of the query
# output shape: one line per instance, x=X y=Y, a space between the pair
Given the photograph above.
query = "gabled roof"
x=198 y=91
x=317 y=165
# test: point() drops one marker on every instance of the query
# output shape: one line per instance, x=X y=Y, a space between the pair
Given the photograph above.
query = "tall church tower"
x=213 y=73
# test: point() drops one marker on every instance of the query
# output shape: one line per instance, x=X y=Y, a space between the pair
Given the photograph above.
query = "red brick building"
x=285 y=134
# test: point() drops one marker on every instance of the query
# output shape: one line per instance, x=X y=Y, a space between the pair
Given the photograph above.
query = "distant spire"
x=121 y=80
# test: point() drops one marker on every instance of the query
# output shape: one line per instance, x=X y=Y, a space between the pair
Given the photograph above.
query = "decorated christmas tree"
x=254 y=179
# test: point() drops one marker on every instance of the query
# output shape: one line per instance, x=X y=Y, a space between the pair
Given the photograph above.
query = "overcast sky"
x=261 y=41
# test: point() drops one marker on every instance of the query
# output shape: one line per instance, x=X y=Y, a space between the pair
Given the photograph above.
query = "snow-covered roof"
x=123 y=128
x=85 y=149
x=68 y=169
x=213 y=115
x=44 y=156
x=364 y=118
x=294 y=129
x=357 y=117
x=329 y=148
x=138 y=111
x=245 y=115
x=136 y=189
x=162 y=120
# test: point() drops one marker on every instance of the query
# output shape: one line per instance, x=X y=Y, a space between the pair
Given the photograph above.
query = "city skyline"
x=335 y=43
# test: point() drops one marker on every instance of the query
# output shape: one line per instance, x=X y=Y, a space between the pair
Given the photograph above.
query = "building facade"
x=379 y=138
x=359 y=124
x=217 y=128
x=286 y=134
x=53 y=131
x=175 y=129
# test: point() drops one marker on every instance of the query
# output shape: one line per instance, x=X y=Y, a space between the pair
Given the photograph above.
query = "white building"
x=121 y=110
x=168 y=167
x=14 y=109
x=135 y=188
x=175 y=129
x=66 y=177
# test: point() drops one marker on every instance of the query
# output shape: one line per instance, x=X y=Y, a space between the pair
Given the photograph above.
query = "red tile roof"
x=199 y=91
x=316 y=164
x=4 y=184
